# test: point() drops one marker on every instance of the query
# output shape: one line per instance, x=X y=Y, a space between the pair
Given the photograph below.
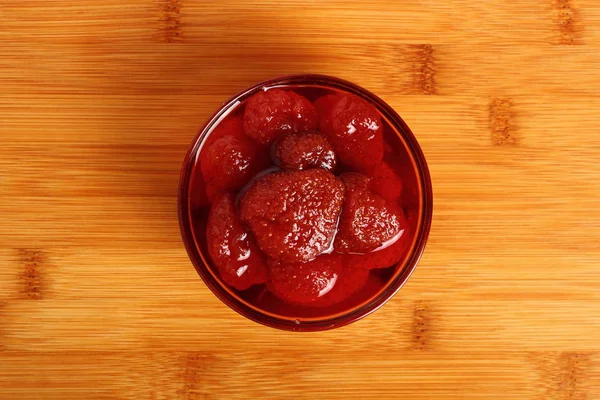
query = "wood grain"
x=100 y=100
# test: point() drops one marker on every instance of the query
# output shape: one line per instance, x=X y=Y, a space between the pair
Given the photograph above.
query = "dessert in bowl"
x=305 y=202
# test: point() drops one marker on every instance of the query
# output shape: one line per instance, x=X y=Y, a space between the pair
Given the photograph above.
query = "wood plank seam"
x=192 y=373
x=501 y=117
x=32 y=282
x=572 y=366
x=424 y=77
x=567 y=21
x=563 y=375
x=421 y=325
x=171 y=30
x=3 y=330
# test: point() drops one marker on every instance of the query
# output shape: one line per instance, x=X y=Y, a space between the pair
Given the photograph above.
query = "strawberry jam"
x=303 y=200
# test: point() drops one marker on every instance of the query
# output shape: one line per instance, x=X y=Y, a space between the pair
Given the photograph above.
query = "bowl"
x=257 y=303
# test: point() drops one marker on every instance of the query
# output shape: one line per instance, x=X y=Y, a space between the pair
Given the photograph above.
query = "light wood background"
x=99 y=101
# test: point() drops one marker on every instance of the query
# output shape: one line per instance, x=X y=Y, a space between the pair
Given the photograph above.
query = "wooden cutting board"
x=99 y=101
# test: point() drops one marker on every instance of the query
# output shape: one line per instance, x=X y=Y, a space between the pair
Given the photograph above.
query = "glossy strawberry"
x=229 y=158
x=349 y=282
x=354 y=128
x=367 y=221
x=383 y=258
x=272 y=113
x=324 y=106
x=232 y=248
x=305 y=283
x=293 y=214
x=386 y=183
x=298 y=151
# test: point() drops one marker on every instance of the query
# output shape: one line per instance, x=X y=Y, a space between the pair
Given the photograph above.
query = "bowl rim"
x=331 y=321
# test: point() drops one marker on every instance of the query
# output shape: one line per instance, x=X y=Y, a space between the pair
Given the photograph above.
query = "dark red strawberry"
x=293 y=214
x=354 y=128
x=383 y=258
x=232 y=248
x=305 y=283
x=324 y=106
x=386 y=183
x=229 y=158
x=349 y=282
x=298 y=151
x=230 y=125
x=272 y=113
x=367 y=221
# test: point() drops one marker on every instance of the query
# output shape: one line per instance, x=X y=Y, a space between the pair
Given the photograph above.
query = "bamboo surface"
x=99 y=101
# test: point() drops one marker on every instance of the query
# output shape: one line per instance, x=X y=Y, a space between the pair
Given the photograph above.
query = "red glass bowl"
x=402 y=273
